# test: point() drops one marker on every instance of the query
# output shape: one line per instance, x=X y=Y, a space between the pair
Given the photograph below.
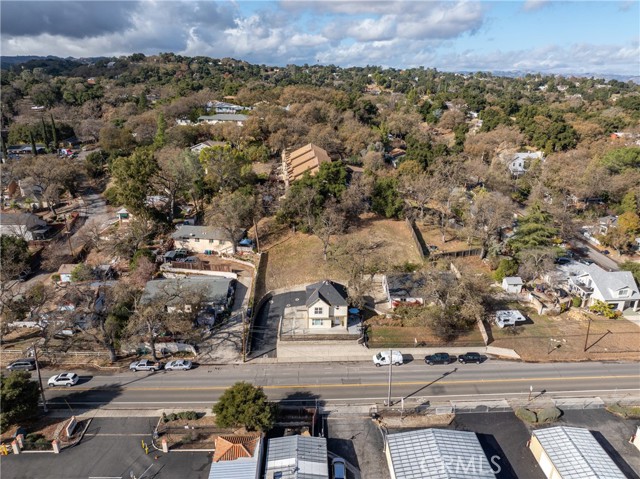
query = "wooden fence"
x=418 y=240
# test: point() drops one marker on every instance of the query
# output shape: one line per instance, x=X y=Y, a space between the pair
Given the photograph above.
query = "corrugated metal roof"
x=576 y=454
x=438 y=453
x=297 y=457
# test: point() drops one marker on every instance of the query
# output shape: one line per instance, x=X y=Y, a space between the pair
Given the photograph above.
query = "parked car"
x=563 y=260
x=472 y=358
x=28 y=364
x=439 y=358
x=145 y=365
x=24 y=275
x=338 y=468
x=383 y=358
x=606 y=251
x=63 y=379
x=178 y=365
x=191 y=259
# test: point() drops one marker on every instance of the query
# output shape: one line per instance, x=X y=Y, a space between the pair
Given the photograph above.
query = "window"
x=317 y=310
x=210 y=241
x=623 y=292
x=316 y=322
x=197 y=240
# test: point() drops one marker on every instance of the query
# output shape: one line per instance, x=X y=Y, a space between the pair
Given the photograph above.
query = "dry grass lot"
x=397 y=336
x=433 y=237
x=616 y=339
x=298 y=259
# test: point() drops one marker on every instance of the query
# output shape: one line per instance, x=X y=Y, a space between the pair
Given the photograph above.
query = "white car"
x=63 y=379
x=179 y=365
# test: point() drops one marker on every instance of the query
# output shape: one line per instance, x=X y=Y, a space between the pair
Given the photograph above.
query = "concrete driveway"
x=264 y=334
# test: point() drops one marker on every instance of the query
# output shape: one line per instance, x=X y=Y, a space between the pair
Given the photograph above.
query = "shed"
x=512 y=284
x=571 y=452
x=123 y=215
x=65 y=271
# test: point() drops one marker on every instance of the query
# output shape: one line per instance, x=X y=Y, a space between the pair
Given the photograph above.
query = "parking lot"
x=110 y=449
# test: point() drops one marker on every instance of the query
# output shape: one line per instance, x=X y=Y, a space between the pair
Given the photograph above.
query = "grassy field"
x=397 y=336
x=297 y=258
x=562 y=338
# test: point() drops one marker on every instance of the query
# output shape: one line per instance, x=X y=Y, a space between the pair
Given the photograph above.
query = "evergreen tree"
x=535 y=230
x=54 y=134
x=159 y=139
x=244 y=405
x=629 y=203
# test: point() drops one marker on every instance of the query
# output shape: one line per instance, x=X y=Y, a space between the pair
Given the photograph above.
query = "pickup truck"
x=145 y=365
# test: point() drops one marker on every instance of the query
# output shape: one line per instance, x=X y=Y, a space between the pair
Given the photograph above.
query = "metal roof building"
x=572 y=453
x=297 y=457
x=436 y=453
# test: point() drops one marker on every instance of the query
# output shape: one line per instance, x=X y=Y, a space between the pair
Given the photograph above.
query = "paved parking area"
x=110 y=449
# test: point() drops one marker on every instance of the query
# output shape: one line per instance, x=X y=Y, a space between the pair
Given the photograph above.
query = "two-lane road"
x=353 y=383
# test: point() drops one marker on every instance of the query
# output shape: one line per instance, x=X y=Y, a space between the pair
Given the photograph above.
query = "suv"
x=338 y=468
x=28 y=364
x=472 y=358
x=439 y=358
x=64 y=379
x=145 y=365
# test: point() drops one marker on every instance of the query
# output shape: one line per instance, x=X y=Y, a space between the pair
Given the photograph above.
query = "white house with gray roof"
x=617 y=288
x=519 y=163
x=327 y=305
x=236 y=118
x=297 y=457
x=23 y=225
x=203 y=239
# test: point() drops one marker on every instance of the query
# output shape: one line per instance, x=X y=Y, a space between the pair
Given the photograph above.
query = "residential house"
x=404 y=289
x=223 y=118
x=215 y=293
x=203 y=239
x=605 y=223
x=297 y=457
x=224 y=107
x=183 y=122
x=396 y=155
x=306 y=159
x=519 y=163
x=565 y=452
x=123 y=215
x=24 y=225
x=440 y=453
x=237 y=457
x=616 y=288
x=326 y=305
x=206 y=144
x=512 y=284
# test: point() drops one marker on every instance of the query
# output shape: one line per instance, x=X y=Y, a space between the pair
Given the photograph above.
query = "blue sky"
x=536 y=35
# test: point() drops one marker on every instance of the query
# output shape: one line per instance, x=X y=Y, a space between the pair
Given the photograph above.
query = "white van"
x=382 y=358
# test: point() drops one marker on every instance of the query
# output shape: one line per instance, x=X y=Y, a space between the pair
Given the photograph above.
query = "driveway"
x=264 y=333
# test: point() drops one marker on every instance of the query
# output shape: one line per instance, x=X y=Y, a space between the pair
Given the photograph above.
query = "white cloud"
x=532 y=5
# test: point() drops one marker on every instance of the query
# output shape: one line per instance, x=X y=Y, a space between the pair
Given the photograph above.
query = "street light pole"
x=390 y=375
x=35 y=356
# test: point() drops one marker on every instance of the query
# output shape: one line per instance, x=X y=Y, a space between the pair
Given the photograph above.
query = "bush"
x=576 y=301
x=188 y=415
x=506 y=267
x=527 y=415
x=549 y=414
x=627 y=412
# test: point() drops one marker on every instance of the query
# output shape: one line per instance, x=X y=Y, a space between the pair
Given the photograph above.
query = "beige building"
x=203 y=239
x=306 y=159
x=568 y=452
x=326 y=305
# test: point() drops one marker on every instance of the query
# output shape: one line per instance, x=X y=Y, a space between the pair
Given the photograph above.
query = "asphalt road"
x=352 y=383
x=597 y=257
x=264 y=333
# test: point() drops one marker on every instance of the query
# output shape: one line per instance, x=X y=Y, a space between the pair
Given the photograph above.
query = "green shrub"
x=188 y=415
x=506 y=267
x=549 y=414
x=576 y=301
x=627 y=412
x=527 y=415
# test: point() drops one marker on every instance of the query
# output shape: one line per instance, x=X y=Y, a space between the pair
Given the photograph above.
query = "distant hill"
x=51 y=64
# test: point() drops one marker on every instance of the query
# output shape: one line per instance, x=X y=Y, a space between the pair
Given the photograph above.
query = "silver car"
x=179 y=365
x=63 y=379
x=145 y=365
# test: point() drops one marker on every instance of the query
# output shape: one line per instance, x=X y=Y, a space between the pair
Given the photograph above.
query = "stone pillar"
x=56 y=446
x=15 y=447
x=165 y=446
x=20 y=441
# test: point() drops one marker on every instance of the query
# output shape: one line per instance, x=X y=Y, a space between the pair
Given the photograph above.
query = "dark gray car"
x=28 y=364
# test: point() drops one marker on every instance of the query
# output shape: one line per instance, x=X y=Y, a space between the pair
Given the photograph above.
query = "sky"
x=570 y=37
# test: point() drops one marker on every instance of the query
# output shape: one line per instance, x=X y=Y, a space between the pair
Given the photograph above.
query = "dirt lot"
x=432 y=236
x=298 y=258
x=562 y=338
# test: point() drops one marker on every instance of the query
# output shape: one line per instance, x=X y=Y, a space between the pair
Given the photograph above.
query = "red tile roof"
x=230 y=448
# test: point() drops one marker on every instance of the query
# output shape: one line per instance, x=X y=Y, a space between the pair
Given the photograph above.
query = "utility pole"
x=35 y=356
x=586 y=339
x=66 y=223
x=390 y=375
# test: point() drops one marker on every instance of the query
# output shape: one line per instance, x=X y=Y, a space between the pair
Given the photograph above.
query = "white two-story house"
x=326 y=305
x=203 y=239
x=617 y=288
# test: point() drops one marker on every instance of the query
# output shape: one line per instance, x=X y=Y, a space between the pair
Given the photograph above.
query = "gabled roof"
x=331 y=293
x=513 y=280
x=297 y=457
x=186 y=232
x=575 y=453
x=223 y=117
x=425 y=452
x=232 y=447
x=21 y=219
x=308 y=158
x=610 y=282
x=207 y=144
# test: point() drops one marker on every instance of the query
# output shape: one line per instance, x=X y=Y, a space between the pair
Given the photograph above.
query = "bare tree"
x=233 y=212
x=488 y=213
x=535 y=262
x=329 y=223
x=356 y=259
